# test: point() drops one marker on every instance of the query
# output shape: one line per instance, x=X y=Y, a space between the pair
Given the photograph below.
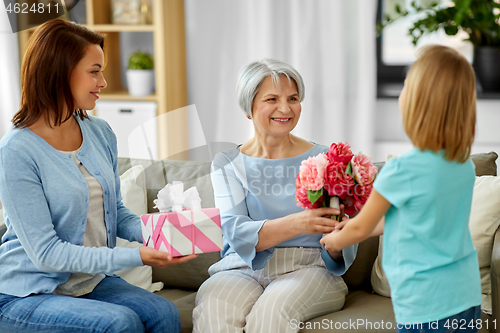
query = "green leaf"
x=313 y=196
x=478 y=18
x=451 y=30
x=348 y=170
x=140 y=60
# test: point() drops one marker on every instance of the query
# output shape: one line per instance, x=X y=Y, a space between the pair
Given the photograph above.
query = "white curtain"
x=330 y=42
x=9 y=73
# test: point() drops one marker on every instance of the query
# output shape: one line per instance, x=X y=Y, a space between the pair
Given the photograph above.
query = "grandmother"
x=273 y=270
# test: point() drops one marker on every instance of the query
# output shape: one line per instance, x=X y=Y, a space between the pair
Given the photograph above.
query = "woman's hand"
x=155 y=258
x=309 y=221
x=318 y=220
x=315 y=221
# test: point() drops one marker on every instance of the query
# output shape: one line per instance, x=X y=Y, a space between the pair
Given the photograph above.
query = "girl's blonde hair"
x=439 y=111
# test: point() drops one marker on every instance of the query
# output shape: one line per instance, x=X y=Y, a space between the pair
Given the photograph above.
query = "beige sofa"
x=364 y=311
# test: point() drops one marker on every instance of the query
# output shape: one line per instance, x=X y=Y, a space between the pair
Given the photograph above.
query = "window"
x=395 y=50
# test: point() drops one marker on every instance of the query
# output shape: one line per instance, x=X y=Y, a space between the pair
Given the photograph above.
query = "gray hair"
x=251 y=76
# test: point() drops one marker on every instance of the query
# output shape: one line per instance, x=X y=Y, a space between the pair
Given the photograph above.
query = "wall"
x=391 y=138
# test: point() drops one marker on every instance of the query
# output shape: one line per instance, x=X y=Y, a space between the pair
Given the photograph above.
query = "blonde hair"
x=439 y=111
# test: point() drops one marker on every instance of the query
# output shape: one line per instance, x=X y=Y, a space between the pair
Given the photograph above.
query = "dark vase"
x=487 y=67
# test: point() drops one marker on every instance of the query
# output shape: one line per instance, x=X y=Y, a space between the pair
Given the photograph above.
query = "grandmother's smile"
x=282 y=120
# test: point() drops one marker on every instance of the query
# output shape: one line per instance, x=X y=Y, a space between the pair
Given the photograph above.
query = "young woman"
x=60 y=188
x=425 y=196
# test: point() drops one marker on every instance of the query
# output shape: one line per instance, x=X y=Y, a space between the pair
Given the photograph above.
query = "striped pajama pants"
x=293 y=287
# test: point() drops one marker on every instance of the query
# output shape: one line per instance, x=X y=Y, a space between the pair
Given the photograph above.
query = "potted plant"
x=140 y=74
x=478 y=18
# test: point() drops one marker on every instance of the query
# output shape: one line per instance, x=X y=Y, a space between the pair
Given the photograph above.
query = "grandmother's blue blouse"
x=249 y=191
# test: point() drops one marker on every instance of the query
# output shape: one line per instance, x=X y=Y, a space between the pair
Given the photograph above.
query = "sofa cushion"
x=186 y=306
x=362 y=312
x=174 y=294
x=188 y=275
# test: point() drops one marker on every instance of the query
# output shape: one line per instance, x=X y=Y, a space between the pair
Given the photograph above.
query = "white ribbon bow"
x=172 y=198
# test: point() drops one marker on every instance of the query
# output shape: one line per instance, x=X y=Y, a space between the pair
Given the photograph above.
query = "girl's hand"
x=329 y=242
x=342 y=224
x=336 y=255
x=155 y=258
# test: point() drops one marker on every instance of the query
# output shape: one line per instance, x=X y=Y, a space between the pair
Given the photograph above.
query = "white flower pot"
x=140 y=82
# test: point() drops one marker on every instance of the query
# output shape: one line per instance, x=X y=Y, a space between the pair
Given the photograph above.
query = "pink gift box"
x=183 y=233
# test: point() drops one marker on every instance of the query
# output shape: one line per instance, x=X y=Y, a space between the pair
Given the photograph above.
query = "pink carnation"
x=337 y=182
x=363 y=170
x=361 y=194
x=349 y=205
x=340 y=153
x=312 y=172
x=302 y=198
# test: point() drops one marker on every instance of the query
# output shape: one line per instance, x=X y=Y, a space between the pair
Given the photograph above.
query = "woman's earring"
x=249 y=117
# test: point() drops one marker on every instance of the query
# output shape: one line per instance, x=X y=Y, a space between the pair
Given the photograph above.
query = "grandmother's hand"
x=316 y=221
x=155 y=258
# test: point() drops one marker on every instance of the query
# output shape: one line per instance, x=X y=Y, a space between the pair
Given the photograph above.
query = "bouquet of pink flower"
x=338 y=176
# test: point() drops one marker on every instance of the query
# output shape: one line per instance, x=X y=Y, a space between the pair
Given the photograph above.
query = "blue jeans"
x=113 y=306
x=467 y=321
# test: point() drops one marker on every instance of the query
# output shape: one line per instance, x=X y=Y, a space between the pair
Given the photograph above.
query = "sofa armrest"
x=495 y=277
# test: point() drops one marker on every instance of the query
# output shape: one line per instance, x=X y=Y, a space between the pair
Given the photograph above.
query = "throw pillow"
x=379 y=281
x=3 y=227
x=483 y=223
x=134 y=198
x=133 y=195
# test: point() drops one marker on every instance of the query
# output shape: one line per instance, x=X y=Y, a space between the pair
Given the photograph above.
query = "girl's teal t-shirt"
x=429 y=259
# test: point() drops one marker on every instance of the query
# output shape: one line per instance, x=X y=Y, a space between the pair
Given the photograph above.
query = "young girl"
x=426 y=196
x=60 y=188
